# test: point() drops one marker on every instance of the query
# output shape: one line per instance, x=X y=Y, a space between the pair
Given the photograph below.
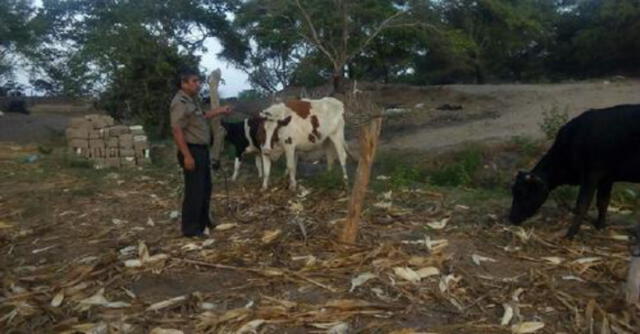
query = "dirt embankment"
x=47 y=119
x=418 y=118
x=493 y=112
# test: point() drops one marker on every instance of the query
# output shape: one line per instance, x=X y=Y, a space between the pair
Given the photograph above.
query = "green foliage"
x=21 y=29
x=328 y=180
x=129 y=51
x=460 y=172
x=440 y=41
x=595 y=37
x=626 y=195
x=405 y=176
x=278 y=47
x=71 y=160
x=552 y=120
x=300 y=40
x=526 y=145
x=250 y=95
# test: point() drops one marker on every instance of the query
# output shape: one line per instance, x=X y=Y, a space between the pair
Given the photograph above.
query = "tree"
x=250 y=95
x=288 y=38
x=346 y=31
x=21 y=28
x=596 y=37
x=273 y=49
x=503 y=37
x=129 y=52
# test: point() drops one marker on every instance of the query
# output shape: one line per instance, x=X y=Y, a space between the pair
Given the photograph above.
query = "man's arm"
x=218 y=111
x=178 y=137
x=179 y=121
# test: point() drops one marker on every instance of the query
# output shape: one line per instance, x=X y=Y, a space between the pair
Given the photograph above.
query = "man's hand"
x=189 y=163
x=224 y=110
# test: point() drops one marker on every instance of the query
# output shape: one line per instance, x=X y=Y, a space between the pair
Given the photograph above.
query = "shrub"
x=552 y=120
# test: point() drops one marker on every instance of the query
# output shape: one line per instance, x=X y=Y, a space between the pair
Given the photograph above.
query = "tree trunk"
x=479 y=74
x=337 y=79
x=368 y=142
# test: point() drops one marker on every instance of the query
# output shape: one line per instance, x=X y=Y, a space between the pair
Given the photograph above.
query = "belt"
x=198 y=145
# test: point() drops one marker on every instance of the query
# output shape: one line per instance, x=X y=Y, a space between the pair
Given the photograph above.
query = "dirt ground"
x=99 y=251
x=85 y=250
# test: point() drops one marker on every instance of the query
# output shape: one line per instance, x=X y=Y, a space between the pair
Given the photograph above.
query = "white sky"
x=235 y=80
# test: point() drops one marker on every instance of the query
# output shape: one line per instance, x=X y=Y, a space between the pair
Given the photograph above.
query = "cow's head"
x=275 y=117
x=529 y=193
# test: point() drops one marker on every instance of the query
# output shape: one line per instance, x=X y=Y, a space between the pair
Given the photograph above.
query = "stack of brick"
x=97 y=138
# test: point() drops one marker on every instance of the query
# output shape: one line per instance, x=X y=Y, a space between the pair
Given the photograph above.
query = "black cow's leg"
x=604 y=196
x=587 y=190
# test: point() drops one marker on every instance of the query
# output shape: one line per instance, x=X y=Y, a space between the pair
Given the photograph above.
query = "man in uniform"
x=192 y=135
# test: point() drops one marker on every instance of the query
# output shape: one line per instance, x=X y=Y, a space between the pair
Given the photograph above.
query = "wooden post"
x=369 y=134
x=217 y=131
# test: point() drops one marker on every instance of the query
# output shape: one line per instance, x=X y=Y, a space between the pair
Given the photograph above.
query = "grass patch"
x=329 y=180
x=70 y=160
x=529 y=147
x=399 y=170
x=475 y=197
x=626 y=195
x=461 y=171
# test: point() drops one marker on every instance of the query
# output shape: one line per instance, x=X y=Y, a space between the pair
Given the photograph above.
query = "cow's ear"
x=285 y=121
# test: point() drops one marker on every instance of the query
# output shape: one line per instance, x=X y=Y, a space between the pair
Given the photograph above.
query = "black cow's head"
x=529 y=193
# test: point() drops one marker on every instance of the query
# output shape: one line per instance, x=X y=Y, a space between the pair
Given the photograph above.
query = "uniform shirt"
x=187 y=114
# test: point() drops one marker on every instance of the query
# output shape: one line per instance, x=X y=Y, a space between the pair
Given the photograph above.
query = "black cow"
x=593 y=150
x=247 y=137
x=244 y=138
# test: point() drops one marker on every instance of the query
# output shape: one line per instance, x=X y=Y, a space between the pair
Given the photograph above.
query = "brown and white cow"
x=304 y=125
x=247 y=137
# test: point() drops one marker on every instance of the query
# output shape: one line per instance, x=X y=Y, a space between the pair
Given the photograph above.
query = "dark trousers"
x=197 y=191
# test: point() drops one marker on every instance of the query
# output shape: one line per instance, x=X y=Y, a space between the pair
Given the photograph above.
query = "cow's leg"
x=259 y=164
x=587 y=190
x=290 y=155
x=295 y=162
x=266 y=164
x=338 y=144
x=604 y=196
x=330 y=152
x=236 y=168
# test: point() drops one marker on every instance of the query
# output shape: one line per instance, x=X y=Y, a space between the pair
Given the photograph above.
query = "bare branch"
x=314 y=33
x=412 y=25
x=376 y=32
x=345 y=27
